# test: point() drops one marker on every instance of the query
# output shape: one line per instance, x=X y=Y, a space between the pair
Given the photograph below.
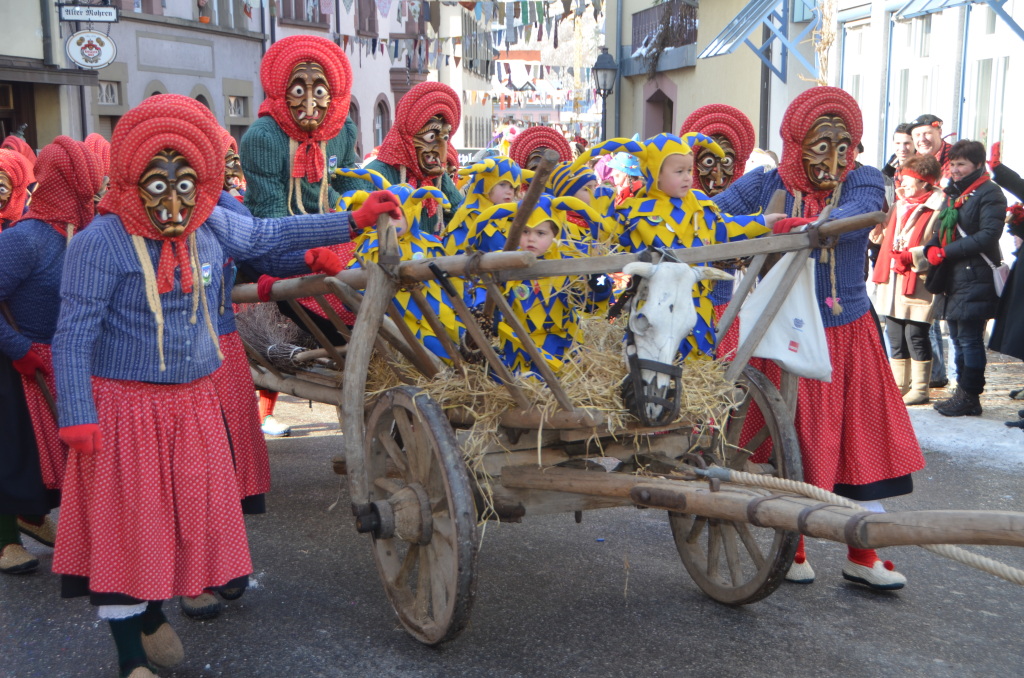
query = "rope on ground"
x=993 y=567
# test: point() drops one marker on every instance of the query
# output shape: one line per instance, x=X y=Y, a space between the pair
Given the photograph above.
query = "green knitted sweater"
x=429 y=224
x=267 y=164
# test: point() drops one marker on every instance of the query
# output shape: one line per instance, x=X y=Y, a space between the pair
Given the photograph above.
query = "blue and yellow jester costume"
x=463 y=230
x=548 y=307
x=413 y=244
x=566 y=180
x=653 y=219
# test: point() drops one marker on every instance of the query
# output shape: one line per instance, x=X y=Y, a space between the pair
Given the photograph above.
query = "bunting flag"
x=326 y=6
x=384 y=6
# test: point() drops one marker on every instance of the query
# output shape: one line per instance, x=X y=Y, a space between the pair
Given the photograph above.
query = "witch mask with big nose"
x=308 y=95
x=714 y=174
x=825 y=151
x=431 y=144
x=6 y=189
x=168 y=190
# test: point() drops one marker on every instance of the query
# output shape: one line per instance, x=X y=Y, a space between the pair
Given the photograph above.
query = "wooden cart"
x=412 y=492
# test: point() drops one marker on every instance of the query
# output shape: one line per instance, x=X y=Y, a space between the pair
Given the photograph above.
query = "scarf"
x=420 y=104
x=19 y=169
x=69 y=175
x=796 y=123
x=308 y=161
x=922 y=216
x=955 y=198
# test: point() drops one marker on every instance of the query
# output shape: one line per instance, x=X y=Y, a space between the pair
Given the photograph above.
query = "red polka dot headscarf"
x=797 y=121
x=275 y=74
x=420 y=104
x=541 y=136
x=19 y=170
x=69 y=175
x=19 y=145
x=178 y=123
x=101 y=148
x=730 y=123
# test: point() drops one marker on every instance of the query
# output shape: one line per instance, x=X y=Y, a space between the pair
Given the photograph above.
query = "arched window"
x=381 y=121
x=201 y=99
x=353 y=112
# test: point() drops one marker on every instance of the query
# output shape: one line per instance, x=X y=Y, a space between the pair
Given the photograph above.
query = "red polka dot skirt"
x=155 y=513
x=854 y=430
x=235 y=392
x=53 y=454
x=728 y=344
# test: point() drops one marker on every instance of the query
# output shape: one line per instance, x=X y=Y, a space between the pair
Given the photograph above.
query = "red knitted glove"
x=378 y=203
x=789 y=223
x=323 y=260
x=84 y=438
x=936 y=255
x=903 y=261
x=993 y=158
x=29 y=363
x=263 y=286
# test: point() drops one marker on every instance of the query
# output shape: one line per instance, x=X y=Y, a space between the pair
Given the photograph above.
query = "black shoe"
x=940 y=405
x=1017 y=394
x=940 y=383
x=962 y=404
x=1015 y=424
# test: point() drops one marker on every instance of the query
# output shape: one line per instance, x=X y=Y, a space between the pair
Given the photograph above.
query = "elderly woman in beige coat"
x=900 y=272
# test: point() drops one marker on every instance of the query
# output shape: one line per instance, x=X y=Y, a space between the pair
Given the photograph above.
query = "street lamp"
x=605 y=70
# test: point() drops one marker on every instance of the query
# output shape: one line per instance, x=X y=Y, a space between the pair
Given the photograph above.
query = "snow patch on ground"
x=971 y=439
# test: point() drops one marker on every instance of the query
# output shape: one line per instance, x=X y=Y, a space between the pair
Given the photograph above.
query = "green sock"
x=128 y=639
x=153 y=617
x=9 y=530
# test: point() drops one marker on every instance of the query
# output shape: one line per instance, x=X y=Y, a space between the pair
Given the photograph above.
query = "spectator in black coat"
x=970 y=227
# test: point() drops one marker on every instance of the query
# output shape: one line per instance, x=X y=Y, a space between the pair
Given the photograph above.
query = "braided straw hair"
x=181 y=124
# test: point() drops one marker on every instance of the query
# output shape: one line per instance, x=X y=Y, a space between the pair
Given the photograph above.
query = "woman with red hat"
x=31 y=259
x=855 y=435
x=418 y=150
x=151 y=501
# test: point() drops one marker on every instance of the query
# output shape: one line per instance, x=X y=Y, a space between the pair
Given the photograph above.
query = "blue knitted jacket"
x=106 y=328
x=863 y=191
x=31 y=261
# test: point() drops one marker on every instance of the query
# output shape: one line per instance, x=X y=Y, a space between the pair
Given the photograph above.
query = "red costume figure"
x=528 y=144
x=15 y=177
x=101 y=149
x=19 y=145
x=732 y=131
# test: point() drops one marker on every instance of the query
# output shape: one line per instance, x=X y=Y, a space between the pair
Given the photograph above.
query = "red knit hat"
x=19 y=145
x=275 y=75
x=420 y=104
x=101 y=148
x=165 y=121
x=19 y=169
x=541 y=136
x=796 y=123
x=729 y=122
x=69 y=174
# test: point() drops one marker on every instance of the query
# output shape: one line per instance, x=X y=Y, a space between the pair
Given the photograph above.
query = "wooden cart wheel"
x=425 y=547
x=735 y=562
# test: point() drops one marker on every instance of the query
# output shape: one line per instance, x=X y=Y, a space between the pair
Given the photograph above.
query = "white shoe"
x=882 y=576
x=800 y=573
x=272 y=427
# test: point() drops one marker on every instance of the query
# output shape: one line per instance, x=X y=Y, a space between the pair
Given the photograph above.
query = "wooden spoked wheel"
x=736 y=562
x=425 y=548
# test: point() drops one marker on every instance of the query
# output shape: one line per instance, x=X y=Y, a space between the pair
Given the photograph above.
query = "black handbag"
x=937 y=279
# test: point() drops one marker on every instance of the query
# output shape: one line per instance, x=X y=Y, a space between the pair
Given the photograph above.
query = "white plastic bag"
x=796 y=337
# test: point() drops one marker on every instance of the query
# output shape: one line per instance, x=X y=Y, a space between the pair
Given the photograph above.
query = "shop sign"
x=94 y=13
x=89 y=49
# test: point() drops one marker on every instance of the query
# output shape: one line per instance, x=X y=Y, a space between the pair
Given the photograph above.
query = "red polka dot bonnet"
x=541 y=136
x=728 y=122
x=69 y=175
x=420 y=104
x=19 y=170
x=275 y=75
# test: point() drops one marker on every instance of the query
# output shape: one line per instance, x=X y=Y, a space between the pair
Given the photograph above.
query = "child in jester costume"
x=669 y=213
x=490 y=182
x=413 y=244
x=548 y=307
x=577 y=180
x=417 y=149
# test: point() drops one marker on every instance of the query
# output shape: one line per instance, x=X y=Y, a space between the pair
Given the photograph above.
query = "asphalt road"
x=608 y=597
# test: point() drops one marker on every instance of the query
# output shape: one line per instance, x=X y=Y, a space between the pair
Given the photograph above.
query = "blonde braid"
x=322 y=199
x=201 y=291
x=152 y=295
x=293 y=147
x=193 y=257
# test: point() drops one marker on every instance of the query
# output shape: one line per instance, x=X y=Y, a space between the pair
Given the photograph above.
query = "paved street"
x=608 y=597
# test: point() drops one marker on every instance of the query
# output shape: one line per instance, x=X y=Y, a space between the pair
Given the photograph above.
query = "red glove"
x=789 y=223
x=29 y=363
x=378 y=203
x=84 y=438
x=993 y=158
x=323 y=260
x=902 y=261
x=263 y=286
x=936 y=255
